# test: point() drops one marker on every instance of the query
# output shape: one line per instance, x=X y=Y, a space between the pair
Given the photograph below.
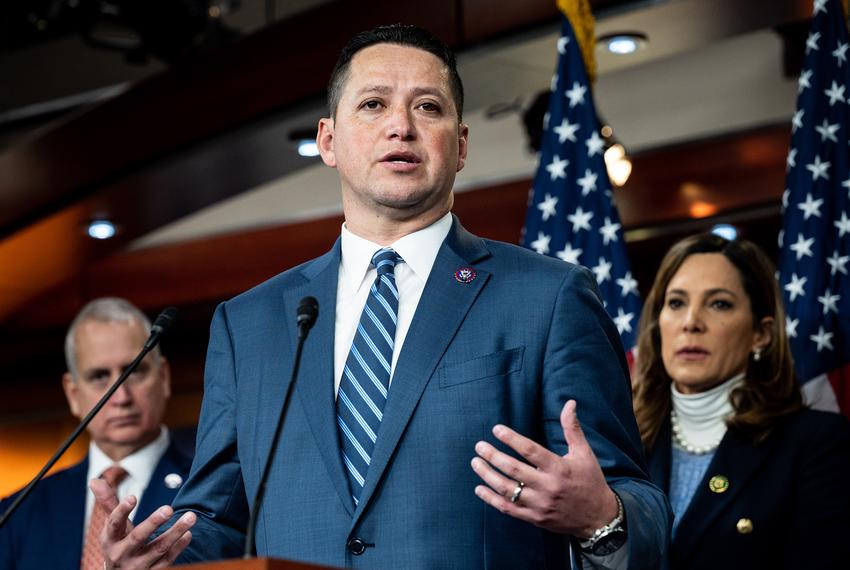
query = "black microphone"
x=162 y=323
x=308 y=310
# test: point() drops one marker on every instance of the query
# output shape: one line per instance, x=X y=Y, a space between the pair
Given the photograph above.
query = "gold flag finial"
x=581 y=19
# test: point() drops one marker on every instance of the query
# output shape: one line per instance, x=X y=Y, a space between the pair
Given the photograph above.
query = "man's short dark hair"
x=400 y=34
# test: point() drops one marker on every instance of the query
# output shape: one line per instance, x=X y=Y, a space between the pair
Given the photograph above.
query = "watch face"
x=609 y=543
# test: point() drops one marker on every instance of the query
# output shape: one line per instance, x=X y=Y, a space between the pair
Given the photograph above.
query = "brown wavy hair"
x=769 y=392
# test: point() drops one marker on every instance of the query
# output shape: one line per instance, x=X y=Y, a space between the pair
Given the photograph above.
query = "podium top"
x=256 y=564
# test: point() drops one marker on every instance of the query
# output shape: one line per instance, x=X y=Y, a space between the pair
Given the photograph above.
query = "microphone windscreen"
x=308 y=310
x=164 y=321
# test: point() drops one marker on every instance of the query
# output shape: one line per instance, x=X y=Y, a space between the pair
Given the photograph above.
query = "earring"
x=757 y=354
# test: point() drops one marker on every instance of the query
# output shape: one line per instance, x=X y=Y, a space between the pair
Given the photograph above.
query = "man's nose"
x=400 y=125
x=122 y=395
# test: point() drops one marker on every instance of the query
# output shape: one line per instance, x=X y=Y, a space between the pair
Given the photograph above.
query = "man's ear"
x=325 y=141
x=462 y=145
x=70 y=387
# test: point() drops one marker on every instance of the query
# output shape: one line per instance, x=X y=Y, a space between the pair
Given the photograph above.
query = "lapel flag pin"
x=465 y=275
x=718 y=484
x=173 y=480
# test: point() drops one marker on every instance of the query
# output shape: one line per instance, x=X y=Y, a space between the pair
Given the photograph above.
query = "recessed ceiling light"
x=623 y=43
x=727 y=231
x=700 y=209
x=101 y=229
x=308 y=147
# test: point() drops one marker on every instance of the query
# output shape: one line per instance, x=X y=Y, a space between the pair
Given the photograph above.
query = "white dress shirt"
x=139 y=467
x=356 y=274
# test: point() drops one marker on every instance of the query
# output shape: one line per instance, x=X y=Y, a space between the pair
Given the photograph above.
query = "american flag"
x=815 y=240
x=571 y=215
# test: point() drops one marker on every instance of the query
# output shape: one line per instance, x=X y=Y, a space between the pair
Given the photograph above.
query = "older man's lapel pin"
x=465 y=275
x=173 y=480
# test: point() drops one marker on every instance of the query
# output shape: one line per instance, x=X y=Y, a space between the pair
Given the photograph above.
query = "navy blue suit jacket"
x=511 y=346
x=47 y=529
x=793 y=488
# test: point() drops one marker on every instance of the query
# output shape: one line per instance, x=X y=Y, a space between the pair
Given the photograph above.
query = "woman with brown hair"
x=755 y=479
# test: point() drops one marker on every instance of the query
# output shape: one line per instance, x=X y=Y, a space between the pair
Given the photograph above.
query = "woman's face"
x=706 y=324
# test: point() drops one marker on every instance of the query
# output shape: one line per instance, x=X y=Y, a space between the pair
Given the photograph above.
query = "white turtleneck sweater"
x=702 y=416
x=702 y=423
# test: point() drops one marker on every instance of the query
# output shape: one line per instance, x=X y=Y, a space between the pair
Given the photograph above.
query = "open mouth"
x=401 y=158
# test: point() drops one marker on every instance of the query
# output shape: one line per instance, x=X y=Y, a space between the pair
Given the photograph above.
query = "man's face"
x=395 y=140
x=131 y=418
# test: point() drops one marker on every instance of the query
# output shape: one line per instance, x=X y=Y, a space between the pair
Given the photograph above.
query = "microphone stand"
x=308 y=310
x=163 y=321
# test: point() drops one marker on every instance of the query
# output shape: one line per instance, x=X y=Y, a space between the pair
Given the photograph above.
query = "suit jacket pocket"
x=491 y=365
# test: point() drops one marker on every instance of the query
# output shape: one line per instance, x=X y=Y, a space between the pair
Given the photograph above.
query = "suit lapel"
x=157 y=492
x=441 y=310
x=659 y=460
x=737 y=460
x=315 y=386
x=68 y=504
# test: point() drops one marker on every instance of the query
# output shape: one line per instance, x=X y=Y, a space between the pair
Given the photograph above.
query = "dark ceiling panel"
x=282 y=65
x=482 y=20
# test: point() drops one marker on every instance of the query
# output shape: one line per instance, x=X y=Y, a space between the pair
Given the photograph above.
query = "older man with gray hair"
x=59 y=525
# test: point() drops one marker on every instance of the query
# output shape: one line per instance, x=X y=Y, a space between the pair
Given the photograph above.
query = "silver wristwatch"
x=609 y=538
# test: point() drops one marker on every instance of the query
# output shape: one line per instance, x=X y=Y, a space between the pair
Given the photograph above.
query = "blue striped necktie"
x=366 y=377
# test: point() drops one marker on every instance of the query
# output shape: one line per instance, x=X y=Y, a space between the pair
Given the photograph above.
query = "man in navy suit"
x=47 y=530
x=433 y=349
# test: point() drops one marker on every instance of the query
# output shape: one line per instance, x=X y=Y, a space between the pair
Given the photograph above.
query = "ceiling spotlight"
x=700 y=209
x=101 y=229
x=727 y=231
x=308 y=147
x=303 y=141
x=623 y=43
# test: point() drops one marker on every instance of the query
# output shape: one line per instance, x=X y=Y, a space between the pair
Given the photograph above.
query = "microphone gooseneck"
x=162 y=323
x=306 y=314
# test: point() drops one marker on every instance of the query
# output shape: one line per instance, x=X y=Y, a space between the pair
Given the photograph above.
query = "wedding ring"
x=517 y=491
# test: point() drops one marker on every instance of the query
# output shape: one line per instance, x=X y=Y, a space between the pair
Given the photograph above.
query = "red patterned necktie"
x=92 y=555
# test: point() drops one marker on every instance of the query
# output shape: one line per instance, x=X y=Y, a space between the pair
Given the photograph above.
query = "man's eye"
x=371 y=105
x=430 y=107
x=98 y=379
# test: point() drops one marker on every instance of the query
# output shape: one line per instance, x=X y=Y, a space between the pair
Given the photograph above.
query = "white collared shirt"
x=356 y=274
x=139 y=467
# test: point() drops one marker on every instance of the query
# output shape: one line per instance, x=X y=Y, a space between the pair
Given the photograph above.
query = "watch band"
x=616 y=525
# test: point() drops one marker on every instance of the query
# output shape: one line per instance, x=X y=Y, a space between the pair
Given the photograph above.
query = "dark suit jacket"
x=47 y=529
x=511 y=346
x=794 y=488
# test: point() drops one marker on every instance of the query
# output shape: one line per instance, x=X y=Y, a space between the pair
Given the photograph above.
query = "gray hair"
x=104 y=310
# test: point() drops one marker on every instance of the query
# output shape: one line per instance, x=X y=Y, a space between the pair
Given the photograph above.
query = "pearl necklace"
x=679 y=437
